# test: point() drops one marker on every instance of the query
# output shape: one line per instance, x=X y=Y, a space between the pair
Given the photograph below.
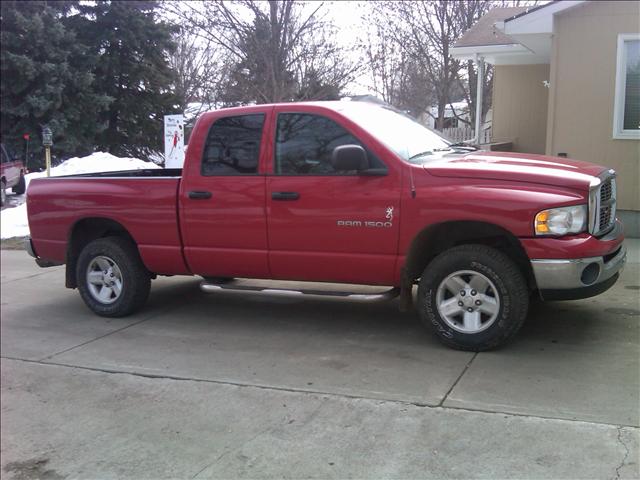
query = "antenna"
x=412 y=184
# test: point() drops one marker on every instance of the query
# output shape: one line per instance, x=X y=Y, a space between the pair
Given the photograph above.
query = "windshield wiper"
x=464 y=145
x=422 y=154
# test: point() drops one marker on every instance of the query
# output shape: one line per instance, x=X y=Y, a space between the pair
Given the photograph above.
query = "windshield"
x=412 y=141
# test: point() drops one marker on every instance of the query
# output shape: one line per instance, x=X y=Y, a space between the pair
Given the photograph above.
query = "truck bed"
x=143 y=202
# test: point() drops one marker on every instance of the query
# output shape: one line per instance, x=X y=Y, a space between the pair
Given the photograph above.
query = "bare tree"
x=201 y=71
x=422 y=33
x=395 y=78
x=425 y=31
x=278 y=50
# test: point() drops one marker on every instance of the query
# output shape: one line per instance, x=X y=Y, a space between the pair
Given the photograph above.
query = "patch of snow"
x=157 y=158
x=94 y=163
x=13 y=221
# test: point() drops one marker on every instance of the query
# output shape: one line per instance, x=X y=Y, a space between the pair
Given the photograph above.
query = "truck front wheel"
x=112 y=279
x=473 y=297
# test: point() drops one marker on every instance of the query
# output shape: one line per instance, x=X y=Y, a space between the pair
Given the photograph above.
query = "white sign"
x=173 y=141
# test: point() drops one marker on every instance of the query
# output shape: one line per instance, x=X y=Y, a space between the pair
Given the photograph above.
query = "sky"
x=346 y=16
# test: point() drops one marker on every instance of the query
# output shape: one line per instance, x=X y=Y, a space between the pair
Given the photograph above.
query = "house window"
x=626 y=112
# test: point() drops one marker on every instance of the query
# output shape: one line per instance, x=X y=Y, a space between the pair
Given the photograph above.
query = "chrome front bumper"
x=579 y=274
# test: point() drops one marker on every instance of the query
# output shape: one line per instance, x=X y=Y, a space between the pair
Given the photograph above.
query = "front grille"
x=605 y=191
x=604 y=215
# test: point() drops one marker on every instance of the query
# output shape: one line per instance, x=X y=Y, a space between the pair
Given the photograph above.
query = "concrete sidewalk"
x=232 y=385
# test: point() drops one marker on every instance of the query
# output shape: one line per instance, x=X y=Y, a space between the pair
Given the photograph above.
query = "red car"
x=343 y=192
x=12 y=173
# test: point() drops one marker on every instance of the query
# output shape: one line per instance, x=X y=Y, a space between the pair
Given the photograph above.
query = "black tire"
x=3 y=193
x=510 y=289
x=20 y=187
x=135 y=278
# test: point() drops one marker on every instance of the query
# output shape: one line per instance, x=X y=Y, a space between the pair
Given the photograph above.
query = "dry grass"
x=15 y=243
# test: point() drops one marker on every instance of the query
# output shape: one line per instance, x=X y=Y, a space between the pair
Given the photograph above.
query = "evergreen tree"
x=133 y=70
x=46 y=79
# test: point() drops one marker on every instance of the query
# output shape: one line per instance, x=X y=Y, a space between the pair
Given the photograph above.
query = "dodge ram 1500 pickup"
x=342 y=192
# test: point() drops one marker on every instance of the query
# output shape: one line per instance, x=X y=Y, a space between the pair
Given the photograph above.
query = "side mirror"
x=349 y=157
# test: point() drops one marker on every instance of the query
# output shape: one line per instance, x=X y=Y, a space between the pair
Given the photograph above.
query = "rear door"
x=222 y=197
x=325 y=225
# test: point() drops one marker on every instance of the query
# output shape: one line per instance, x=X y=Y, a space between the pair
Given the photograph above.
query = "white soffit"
x=538 y=43
x=539 y=21
x=534 y=29
x=511 y=54
x=469 y=53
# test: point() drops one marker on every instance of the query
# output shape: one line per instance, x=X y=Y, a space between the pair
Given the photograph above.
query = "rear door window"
x=233 y=146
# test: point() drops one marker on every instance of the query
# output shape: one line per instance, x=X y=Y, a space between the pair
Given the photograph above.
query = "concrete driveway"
x=239 y=385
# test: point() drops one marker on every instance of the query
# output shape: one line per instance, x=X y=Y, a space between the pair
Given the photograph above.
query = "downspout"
x=479 y=92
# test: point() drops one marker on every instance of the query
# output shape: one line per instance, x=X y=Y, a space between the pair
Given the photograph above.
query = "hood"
x=520 y=167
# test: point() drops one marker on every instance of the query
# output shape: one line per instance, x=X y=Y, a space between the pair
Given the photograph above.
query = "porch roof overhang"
x=508 y=54
x=526 y=37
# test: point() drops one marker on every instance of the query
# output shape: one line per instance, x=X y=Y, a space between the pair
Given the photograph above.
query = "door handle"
x=285 y=195
x=199 y=195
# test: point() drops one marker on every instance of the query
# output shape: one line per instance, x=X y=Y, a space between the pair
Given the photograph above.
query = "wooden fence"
x=462 y=134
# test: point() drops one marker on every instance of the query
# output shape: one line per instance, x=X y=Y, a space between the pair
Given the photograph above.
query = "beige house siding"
x=520 y=102
x=583 y=73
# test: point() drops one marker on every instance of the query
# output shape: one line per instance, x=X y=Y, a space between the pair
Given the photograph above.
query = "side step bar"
x=386 y=295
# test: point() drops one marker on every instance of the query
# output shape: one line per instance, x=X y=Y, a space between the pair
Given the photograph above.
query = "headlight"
x=561 y=220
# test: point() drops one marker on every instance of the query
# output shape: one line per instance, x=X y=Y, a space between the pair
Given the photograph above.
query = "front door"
x=222 y=198
x=326 y=225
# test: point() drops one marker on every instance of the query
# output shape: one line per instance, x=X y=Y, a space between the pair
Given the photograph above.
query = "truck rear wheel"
x=473 y=297
x=21 y=186
x=112 y=279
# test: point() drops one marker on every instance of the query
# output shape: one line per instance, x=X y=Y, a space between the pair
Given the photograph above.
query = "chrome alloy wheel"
x=104 y=280
x=468 y=301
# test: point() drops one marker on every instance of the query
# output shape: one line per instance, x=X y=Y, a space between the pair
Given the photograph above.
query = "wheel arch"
x=435 y=239
x=85 y=231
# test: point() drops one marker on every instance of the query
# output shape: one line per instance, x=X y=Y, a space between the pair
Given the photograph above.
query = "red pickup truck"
x=12 y=173
x=342 y=192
